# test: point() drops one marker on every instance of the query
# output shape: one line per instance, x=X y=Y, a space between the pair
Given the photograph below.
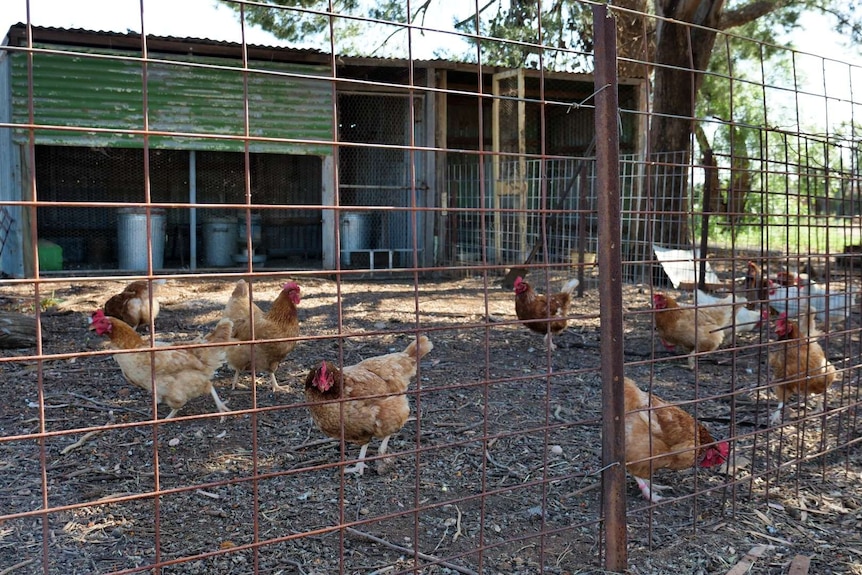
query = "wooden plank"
x=745 y=564
x=710 y=287
x=799 y=565
x=17 y=330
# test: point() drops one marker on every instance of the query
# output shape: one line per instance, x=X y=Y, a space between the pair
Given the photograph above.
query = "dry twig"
x=406 y=551
x=81 y=441
x=16 y=566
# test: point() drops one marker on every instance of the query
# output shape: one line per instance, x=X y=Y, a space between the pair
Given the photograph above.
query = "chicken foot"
x=777 y=416
x=275 y=386
x=360 y=466
x=273 y=381
x=220 y=405
x=236 y=381
x=549 y=341
x=649 y=489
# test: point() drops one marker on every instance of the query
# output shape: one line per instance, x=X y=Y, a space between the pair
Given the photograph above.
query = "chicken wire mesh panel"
x=565 y=211
x=376 y=176
x=470 y=203
x=761 y=199
x=278 y=236
x=88 y=235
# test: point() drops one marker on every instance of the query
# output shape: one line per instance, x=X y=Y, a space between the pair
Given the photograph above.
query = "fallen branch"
x=457 y=525
x=296 y=564
x=16 y=566
x=103 y=406
x=80 y=442
x=308 y=444
x=406 y=551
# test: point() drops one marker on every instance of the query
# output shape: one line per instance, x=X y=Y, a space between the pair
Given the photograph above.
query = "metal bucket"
x=255 y=229
x=132 y=238
x=220 y=241
x=355 y=234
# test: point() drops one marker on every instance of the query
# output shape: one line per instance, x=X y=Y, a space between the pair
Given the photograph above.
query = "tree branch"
x=750 y=12
x=473 y=16
x=423 y=8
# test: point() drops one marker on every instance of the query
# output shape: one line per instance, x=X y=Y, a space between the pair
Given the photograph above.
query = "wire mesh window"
x=374 y=176
x=88 y=235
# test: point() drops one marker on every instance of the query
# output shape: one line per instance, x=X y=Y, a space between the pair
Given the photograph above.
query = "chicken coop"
x=430 y=288
x=210 y=187
x=206 y=195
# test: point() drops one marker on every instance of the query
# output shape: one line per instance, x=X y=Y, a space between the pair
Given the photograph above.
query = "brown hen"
x=132 y=305
x=180 y=374
x=280 y=322
x=373 y=390
x=543 y=314
x=692 y=329
x=798 y=365
x=660 y=435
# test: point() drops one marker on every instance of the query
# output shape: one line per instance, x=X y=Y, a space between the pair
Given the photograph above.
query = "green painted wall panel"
x=107 y=94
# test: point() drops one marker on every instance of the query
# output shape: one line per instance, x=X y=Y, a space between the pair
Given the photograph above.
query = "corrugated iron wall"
x=197 y=96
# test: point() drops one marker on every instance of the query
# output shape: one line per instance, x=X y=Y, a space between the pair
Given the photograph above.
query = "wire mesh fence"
x=339 y=207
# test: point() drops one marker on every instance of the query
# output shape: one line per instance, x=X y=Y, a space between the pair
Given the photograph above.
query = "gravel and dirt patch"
x=499 y=471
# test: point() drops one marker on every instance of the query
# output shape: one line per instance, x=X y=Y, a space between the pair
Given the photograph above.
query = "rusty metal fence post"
x=611 y=302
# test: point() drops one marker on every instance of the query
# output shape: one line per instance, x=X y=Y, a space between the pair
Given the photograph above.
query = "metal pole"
x=611 y=297
x=193 y=212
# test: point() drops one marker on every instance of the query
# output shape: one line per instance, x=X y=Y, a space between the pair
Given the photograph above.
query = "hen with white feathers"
x=799 y=301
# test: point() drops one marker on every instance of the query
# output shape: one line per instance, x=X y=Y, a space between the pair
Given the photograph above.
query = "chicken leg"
x=220 y=405
x=275 y=386
x=273 y=382
x=360 y=466
x=649 y=490
x=236 y=380
x=775 y=417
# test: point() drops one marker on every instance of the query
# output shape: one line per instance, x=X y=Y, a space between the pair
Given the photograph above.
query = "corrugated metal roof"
x=682 y=266
x=17 y=36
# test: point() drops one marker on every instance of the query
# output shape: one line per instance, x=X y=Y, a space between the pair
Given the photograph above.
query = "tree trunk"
x=682 y=53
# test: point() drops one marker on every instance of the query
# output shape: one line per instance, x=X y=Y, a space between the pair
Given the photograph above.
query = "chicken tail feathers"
x=241 y=289
x=424 y=346
x=222 y=331
x=569 y=286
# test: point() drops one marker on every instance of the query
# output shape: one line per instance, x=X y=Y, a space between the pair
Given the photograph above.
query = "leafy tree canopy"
x=508 y=31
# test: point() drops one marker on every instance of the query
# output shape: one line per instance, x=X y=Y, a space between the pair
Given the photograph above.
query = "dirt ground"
x=499 y=472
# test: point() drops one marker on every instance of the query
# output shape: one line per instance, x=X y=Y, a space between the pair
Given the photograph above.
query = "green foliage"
x=509 y=30
x=290 y=24
x=566 y=30
x=50 y=302
x=791 y=234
